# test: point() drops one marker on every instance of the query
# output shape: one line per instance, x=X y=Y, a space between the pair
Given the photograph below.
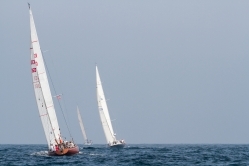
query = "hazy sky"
x=174 y=71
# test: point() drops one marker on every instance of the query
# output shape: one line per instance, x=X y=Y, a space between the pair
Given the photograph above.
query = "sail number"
x=33 y=70
x=33 y=62
x=36 y=82
x=37 y=85
x=36 y=78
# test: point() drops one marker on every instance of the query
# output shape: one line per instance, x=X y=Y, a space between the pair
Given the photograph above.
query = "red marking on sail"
x=32 y=62
x=43 y=115
x=50 y=106
x=35 y=55
x=33 y=70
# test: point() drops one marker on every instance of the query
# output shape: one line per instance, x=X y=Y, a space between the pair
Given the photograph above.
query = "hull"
x=67 y=151
x=88 y=143
x=117 y=146
x=73 y=150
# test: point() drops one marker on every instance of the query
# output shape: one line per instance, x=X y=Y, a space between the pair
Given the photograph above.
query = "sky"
x=175 y=72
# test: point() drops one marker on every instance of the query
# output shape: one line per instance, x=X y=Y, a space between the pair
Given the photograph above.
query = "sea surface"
x=133 y=154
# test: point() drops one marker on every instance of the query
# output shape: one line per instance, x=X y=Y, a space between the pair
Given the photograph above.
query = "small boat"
x=105 y=117
x=86 y=141
x=56 y=144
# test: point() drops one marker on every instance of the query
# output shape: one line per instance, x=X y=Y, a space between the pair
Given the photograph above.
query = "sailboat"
x=55 y=142
x=105 y=117
x=87 y=142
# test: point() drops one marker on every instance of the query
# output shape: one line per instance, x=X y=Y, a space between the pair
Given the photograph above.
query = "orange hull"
x=67 y=151
x=72 y=151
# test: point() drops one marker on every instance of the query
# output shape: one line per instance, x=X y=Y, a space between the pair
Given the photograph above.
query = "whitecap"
x=41 y=153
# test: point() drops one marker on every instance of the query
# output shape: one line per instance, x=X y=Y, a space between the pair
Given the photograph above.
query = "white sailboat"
x=86 y=141
x=44 y=99
x=105 y=117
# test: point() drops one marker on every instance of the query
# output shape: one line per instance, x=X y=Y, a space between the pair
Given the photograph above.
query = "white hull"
x=117 y=144
x=88 y=143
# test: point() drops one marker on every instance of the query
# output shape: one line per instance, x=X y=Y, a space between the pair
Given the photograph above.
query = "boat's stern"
x=73 y=150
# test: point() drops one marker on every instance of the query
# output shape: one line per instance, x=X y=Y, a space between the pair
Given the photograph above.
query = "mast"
x=81 y=126
x=42 y=89
x=103 y=111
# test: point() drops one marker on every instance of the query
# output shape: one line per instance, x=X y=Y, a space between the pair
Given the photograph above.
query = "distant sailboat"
x=87 y=142
x=44 y=100
x=105 y=117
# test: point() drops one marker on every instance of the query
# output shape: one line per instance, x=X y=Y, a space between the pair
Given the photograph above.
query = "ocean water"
x=141 y=154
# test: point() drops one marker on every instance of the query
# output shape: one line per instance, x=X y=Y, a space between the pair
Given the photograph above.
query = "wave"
x=40 y=153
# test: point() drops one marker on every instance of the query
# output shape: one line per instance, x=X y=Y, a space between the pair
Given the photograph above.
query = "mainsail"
x=103 y=111
x=81 y=126
x=42 y=89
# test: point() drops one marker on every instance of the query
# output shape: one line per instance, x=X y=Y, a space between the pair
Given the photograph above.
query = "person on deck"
x=61 y=141
x=51 y=147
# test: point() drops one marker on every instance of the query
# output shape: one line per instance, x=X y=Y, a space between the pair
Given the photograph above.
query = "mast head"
x=29 y=5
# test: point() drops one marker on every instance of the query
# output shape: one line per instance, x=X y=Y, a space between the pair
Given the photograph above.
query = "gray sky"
x=174 y=71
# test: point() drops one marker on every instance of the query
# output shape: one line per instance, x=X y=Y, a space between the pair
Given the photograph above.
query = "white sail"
x=81 y=126
x=103 y=111
x=42 y=89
